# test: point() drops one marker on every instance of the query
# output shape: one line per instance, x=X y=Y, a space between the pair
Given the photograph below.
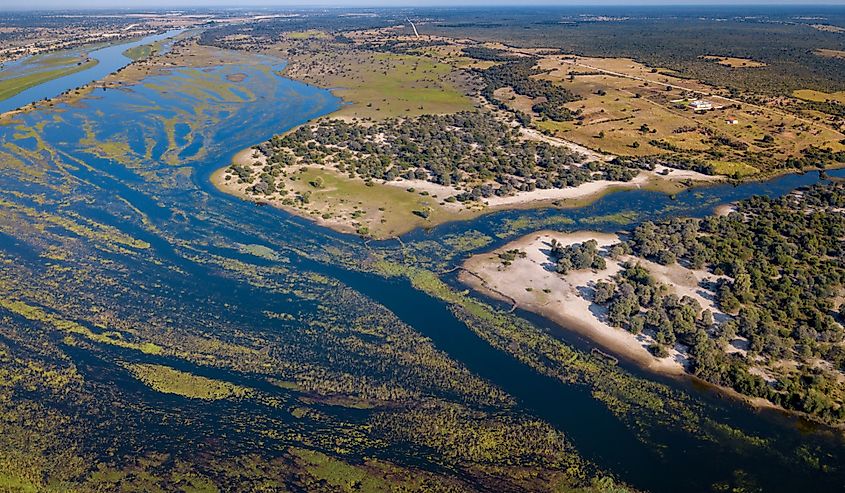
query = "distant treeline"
x=676 y=42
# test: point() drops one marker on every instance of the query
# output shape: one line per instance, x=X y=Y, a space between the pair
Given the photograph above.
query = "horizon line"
x=451 y=5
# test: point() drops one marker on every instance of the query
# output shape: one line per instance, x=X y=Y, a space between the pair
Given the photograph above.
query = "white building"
x=701 y=105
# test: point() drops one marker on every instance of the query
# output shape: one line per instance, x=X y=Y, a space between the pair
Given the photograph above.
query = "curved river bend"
x=109 y=59
x=162 y=171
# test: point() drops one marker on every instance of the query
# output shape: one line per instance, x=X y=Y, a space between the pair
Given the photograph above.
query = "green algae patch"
x=259 y=251
x=169 y=380
x=339 y=475
x=620 y=218
x=12 y=482
x=35 y=313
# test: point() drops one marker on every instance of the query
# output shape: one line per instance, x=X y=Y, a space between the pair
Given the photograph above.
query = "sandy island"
x=532 y=283
x=382 y=220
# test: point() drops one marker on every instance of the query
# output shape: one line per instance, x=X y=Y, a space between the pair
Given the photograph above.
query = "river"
x=109 y=59
x=150 y=181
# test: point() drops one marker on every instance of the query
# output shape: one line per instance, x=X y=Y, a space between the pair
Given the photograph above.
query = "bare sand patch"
x=829 y=28
x=830 y=53
x=532 y=283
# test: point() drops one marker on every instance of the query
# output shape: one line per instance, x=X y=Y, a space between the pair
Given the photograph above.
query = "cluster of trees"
x=487 y=54
x=830 y=107
x=507 y=257
x=673 y=160
x=577 y=256
x=815 y=157
x=517 y=74
x=636 y=302
x=268 y=174
x=811 y=157
x=783 y=267
x=472 y=150
x=253 y=36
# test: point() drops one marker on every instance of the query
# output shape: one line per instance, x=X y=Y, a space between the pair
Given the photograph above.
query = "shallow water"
x=149 y=180
x=109 y=59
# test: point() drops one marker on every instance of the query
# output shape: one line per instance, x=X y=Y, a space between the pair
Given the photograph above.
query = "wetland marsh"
x=168 y=335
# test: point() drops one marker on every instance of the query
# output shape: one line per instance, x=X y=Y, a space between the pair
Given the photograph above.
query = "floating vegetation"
x=127 y=282
x=619 y=218
x=172 y=381
x=259 y=251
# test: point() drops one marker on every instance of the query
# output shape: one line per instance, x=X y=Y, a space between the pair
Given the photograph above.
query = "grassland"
x=307 y=34
x=629 y=109
x=139 y=52
x=172 y=381
x=13 y=86
x=819 y=96
x=374 y=84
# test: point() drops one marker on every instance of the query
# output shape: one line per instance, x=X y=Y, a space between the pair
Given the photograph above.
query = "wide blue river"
x=137 y=161
x=110 y=59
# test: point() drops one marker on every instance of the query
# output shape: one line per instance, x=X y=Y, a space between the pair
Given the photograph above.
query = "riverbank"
x=532 y=284
x=70 y=85
x=383 y=209
x=522 y=273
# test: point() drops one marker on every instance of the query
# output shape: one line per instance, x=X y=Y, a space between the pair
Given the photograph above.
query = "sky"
x=140 y=4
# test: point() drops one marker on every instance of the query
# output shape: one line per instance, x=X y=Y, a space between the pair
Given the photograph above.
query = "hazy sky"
x=140 y=4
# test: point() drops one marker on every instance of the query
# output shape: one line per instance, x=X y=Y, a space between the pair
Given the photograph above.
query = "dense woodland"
x=781 y=264
x=676 y=38
x=470 y=150
x=517 y=74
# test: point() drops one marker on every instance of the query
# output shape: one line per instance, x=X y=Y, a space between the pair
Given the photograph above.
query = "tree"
x=707 y=318
x=603 y=292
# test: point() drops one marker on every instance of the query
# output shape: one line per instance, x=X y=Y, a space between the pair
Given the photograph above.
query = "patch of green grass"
x=172 y=381
x=14 y=86
x=620 y=218
x=384 y=210
x=339 y=475
x=405 y=85
x=734 y=169
x=9 y=482
x=139 y=52
x=309 y=34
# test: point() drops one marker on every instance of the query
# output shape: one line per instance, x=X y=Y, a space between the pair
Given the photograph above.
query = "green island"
x=43 y=69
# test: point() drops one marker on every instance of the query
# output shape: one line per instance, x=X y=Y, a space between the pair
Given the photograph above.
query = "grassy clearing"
x=734 y=62
x=380 y=211
x=14 y=86
x=819 y=96
x=638 y=117
x=514 y=100
x=309 y=34
x=376 y=85
x=453 y=55
x=397 y=85
x=139 y=52
x=735 y=169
